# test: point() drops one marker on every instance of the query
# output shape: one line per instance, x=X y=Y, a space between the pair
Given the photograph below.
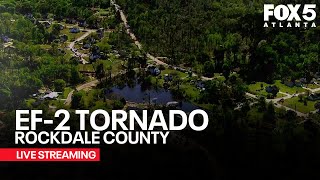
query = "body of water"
x=160 y=96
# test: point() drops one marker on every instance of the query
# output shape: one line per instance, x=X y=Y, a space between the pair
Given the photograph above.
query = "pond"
x=156 y=96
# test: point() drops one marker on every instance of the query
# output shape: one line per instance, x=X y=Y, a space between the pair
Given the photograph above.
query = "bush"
x=59 y=85
x=117 y=104
x=161 y=67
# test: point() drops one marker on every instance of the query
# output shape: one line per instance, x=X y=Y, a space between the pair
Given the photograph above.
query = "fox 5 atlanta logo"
x=290 y=15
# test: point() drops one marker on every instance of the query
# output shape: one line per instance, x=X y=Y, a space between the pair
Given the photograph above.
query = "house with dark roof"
x=271 y=89
x=303 y=80
x=61 y=26
x=86 y=46
x=5 y=39
x=46 y=24
x=200 y=85
x=63 y=38
x=94 y=57
x=314 y=97
x=71 y=21
x=153 y=70
x=168 y=77
x=9 y=49
x=74 y=30
x=289 y=83
x=91 y=40
x=82 y=23
x=298 y=83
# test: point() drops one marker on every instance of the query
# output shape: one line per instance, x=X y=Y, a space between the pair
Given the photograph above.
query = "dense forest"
x=216 y=36
x=60 y=8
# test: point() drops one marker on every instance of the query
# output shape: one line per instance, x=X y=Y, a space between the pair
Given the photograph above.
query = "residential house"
x=168 y=77
x=63 y=38
x=9 y=49
x=50 y=95
x=200 y=85
x=71 y=21
x=304 y=81
x=298 y=83
x=271 y=89
x=46 y=24
x=153 y=70
x=82 y=23
x=74 y=30
x=100 y=33
x=289 y=83
x=86 y=46
x=5 y=39
x=314 y=97
x=91 y=40
x=94 y=57
x=61 y=26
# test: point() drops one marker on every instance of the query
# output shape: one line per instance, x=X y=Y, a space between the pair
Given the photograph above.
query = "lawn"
x=92 y=100
x=294 y=103
x=71 y=36
x=172 y=71
x=68 y=54
x=65 y=93
x=183 y=76
x=257 y=90
x=85 y=67
x=289 y=90
x=114 y=63
x=191 y=92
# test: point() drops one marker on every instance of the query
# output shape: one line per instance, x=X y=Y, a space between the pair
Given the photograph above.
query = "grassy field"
x=294 y=103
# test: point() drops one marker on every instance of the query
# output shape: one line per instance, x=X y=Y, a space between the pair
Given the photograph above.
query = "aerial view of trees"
x=224 y=35
x=260 y=86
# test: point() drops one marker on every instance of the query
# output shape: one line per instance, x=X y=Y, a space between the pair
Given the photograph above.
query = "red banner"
x=50 y=154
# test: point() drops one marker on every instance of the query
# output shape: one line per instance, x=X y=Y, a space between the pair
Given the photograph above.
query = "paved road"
x=311 y=90
x=87 y=85
x=79 y=88
x=74 y=51
x=278 y=104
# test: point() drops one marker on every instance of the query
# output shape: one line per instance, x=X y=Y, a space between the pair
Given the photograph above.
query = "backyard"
x=257 y=89
x=296 y=104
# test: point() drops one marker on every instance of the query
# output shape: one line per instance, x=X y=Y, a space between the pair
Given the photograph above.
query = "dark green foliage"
x=229 y=33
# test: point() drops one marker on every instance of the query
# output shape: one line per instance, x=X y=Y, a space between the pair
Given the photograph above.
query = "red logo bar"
x=50 y=154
